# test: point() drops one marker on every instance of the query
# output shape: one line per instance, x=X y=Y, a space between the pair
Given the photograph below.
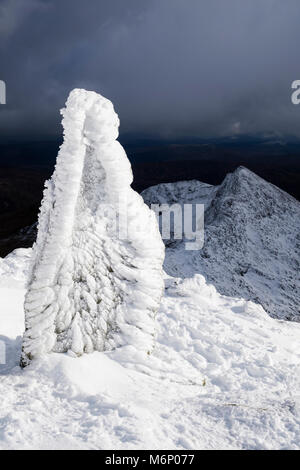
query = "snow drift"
x=89 y=287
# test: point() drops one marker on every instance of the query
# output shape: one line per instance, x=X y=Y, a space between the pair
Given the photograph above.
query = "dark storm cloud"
x=171 y=67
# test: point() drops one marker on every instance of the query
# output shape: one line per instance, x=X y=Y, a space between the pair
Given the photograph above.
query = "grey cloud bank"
x=172 y=67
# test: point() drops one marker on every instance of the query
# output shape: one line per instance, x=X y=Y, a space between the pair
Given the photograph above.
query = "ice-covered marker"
x=96 y=276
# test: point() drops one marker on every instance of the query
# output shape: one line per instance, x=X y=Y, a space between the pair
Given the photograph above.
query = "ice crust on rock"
x=90 y=289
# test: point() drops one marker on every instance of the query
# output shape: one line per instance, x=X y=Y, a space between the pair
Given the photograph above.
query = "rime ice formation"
x=92 y=286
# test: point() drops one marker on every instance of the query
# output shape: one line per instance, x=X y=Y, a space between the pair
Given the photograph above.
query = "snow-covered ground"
x=223 y=375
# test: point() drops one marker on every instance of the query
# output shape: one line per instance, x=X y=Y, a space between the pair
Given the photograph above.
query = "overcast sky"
x=205 y=68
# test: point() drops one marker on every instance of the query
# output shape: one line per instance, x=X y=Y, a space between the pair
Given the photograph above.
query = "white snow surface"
x=92 y=287
x=251 y=240
x=223 y=375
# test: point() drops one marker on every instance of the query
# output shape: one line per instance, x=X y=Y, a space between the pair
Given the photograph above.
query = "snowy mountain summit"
x=223 y=374
x=252 y=240
x=91 y=287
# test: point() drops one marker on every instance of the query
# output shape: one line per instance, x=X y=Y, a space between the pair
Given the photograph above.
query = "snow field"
x=223 y=375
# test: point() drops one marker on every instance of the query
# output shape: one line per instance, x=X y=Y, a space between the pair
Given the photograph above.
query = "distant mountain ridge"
x=252 y=240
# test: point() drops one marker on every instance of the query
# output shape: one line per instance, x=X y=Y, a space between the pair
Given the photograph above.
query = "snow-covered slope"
x=224 y=374
x=179 y=193
x=252 y=240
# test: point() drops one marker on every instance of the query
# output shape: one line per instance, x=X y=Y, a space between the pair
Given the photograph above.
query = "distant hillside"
x=20 y=196
x=24 y=167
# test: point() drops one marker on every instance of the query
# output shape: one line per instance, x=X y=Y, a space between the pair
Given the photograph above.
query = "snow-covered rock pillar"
x=96 y=276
